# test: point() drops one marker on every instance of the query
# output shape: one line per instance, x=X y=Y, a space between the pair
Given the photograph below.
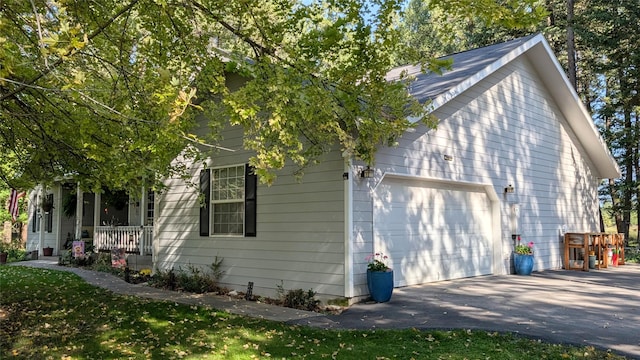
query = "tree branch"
x=95 y=33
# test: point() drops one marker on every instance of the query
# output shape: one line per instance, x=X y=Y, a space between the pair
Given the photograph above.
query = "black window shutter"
x=250 y=190
x=34 y=218
x=205 y=190
x=49 y=224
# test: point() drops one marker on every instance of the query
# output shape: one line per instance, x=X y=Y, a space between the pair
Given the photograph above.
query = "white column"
x=79 y=202
x=143 y=215
x=348 y=229
x=40 y=215
x=143 y=208
x=96 y=212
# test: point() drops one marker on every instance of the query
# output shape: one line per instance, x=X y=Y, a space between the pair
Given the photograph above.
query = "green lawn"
x=47 y=314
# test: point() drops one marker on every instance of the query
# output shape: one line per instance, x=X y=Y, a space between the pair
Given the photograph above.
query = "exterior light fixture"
x=509 y=189
x=345 y=176
x=367 y=173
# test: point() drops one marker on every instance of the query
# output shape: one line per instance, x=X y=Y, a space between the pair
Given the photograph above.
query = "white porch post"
x=348 y=229
x=79 y=201
x=96 y=212
x=143 y=215
x=39 y=214
x=143 y=207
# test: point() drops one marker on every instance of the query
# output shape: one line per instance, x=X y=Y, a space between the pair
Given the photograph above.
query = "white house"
x=515 y=152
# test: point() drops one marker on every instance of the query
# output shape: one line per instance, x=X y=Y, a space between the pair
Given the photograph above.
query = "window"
x=150 y=208
x=229 y=206
x=227 y=201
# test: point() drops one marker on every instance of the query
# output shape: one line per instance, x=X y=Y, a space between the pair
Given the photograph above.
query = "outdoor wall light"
x=367 y=173
x=345 y=176
x=509 y=189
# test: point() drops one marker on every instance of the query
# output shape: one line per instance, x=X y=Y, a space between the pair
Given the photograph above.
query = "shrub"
x=15 y=254
x=298 y=299
x=86 y=261
x=193 y=279
x=632 y=255
x=103 y=263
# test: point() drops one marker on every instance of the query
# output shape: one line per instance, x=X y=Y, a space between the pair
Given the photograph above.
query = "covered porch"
x=108 y=220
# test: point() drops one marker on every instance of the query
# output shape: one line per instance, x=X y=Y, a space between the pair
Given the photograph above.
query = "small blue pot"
x=380 y=285
x=523 y=264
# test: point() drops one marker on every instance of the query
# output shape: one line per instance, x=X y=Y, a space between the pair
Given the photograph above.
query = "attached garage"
x=434 y=230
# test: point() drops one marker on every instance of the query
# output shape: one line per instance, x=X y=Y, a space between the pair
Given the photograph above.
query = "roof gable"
x=471 y=67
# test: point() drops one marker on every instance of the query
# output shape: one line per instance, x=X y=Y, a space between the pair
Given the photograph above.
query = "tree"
x=106 y=92
x=612 y=30
x=438 y=28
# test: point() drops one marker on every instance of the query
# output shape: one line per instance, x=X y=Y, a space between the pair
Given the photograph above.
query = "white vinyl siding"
x=49 y=238
x=504 y=130
x=299 y=242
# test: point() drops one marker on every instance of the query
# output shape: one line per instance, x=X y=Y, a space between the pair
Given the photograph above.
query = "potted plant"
x=47 y=203
x=615 y=257
x=48 y=251
x=379 y=278
x=69 y=205
x=523 y=257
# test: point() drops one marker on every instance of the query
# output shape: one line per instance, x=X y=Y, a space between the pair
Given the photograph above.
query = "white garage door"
x=432 y=231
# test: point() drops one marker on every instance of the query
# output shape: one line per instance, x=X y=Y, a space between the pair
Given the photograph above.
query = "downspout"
x=348 y=230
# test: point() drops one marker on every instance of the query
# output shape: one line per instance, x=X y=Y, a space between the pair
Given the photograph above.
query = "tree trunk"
x=629 y=154
x=637 y=166
x=551 y=20
x=613 y=193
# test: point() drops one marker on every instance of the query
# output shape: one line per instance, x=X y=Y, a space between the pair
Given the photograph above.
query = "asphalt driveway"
x=600 y=307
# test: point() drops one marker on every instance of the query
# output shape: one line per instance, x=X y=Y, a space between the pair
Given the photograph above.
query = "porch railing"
x=133 y=239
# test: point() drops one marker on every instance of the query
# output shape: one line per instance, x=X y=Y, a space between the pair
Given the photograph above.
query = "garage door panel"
x=431 y=231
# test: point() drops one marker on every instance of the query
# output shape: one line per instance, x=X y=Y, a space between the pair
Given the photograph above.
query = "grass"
x=48 y=314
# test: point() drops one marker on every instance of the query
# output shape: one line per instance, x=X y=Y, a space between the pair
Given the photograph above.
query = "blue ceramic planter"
x=380 y=285
x=523 y=264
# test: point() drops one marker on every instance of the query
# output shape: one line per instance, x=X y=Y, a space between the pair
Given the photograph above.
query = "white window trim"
x=212 y=202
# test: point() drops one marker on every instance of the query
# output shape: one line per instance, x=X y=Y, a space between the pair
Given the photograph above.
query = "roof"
x=427 y=86
x=470 y=67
